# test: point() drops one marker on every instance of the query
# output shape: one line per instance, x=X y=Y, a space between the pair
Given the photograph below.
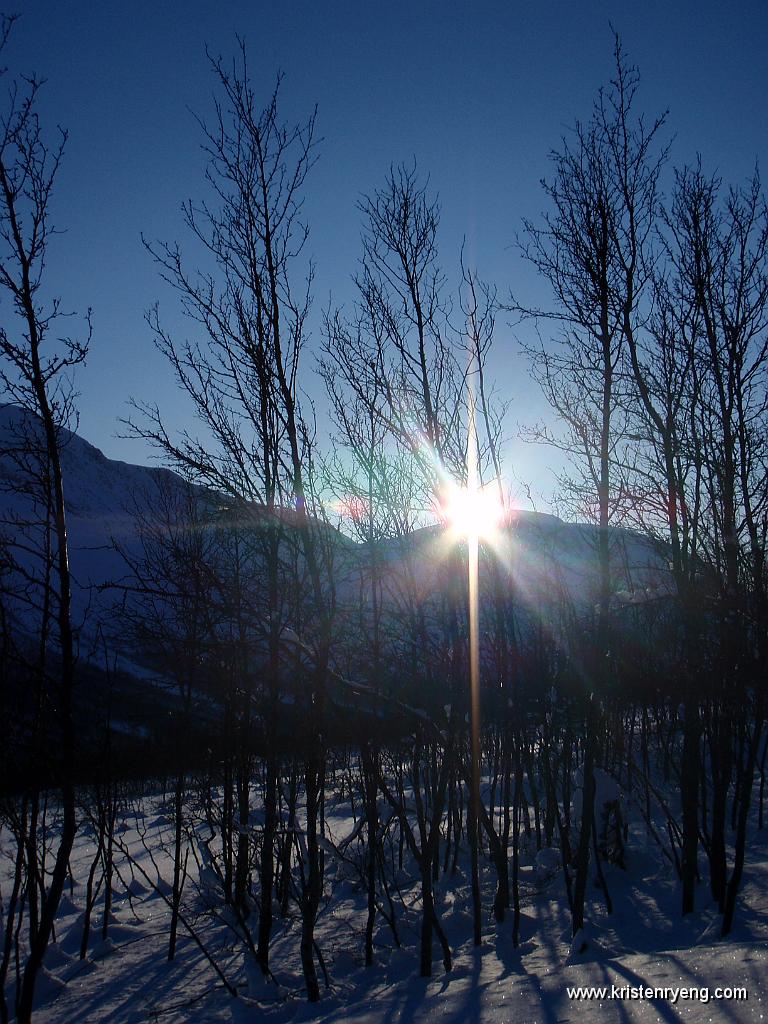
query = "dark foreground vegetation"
x=308 y=664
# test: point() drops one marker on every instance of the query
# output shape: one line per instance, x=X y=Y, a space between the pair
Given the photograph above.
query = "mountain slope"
x=548 y=566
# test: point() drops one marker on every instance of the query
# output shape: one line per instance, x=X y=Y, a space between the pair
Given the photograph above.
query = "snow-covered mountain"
x=102 y=496
x=543 y=556
x=547 y=565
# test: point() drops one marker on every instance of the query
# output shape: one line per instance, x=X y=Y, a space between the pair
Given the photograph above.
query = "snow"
x=126 y=978
x=547 y=863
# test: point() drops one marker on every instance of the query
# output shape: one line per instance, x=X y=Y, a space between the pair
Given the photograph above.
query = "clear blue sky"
x=478 y=92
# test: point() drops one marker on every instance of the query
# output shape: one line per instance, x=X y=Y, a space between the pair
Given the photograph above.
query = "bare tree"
x=35 y=374
x=593 y=251
x=243 y=380
x=719 y=252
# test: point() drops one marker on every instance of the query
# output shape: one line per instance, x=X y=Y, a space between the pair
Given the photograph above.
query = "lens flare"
x=472 y=512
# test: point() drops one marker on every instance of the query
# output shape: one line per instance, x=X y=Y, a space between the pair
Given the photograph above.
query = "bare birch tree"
x=593 y=250
x=242 y=376
x=35 y=373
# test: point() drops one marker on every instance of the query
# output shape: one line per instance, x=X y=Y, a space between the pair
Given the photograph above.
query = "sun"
x=472 y=512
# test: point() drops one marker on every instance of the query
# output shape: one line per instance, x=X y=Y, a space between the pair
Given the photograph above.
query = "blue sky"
x=478 y=92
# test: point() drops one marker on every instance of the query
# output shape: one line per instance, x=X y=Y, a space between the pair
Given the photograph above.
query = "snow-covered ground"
x=643 y=944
